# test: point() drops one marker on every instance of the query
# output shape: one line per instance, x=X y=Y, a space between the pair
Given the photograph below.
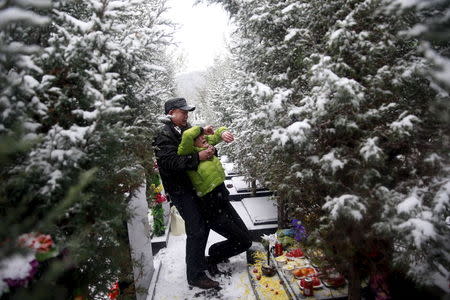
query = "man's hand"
x=208 y=130
x=227 y=137
x=207 y=154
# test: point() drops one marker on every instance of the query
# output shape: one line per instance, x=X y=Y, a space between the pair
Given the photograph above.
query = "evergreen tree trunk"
x=282 y=212
x=354 y=283
x=253 y=189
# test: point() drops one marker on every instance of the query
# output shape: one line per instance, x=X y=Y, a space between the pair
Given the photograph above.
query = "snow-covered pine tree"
x=18 y=106
x=100 y=77
x=341 y=111
x=218 y=80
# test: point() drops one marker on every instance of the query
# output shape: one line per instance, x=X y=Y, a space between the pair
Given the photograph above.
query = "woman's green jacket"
x=210 y=173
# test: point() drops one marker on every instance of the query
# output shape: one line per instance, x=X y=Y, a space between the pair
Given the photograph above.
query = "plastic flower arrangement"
x=155 y=198
x=19 y=270
x=299 y=230
x=114 y=291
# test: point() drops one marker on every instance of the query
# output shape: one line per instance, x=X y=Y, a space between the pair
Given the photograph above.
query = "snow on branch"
x=441 y=200
x=347 y=206
x=331 y=162
x=404 y=124
x=409 y=204
x=296 y=132
x=83 y=26
x=370 y=150
x=418 y=230
x=15 y=14
x=33 y=3
x=261 y=90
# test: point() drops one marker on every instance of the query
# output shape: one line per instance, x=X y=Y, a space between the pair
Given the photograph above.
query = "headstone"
x=230 y=169
x=262 y=210
x=139 y=234
x=241 y=185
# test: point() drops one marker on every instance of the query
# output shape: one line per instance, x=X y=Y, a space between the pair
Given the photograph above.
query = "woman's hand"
x=207 y=153
x=227 y=137
x=208 y=130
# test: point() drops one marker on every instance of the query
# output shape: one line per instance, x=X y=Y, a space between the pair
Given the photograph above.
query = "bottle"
x=278 y=249
x=308 y=290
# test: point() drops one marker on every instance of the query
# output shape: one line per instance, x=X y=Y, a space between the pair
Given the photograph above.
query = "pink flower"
x=36 y=241
x=160 y=198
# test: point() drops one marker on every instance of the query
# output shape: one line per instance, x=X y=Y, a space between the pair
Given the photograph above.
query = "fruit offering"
x=304 y=272
x=295 y=253
x=315 y=281
x=334 y=281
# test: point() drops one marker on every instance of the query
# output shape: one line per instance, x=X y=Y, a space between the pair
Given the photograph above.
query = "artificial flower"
x=160 y=198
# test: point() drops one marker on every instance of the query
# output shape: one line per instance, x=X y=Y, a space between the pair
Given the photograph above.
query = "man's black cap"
x=177 y=103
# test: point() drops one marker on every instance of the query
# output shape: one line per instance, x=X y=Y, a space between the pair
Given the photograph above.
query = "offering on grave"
x=304 y=272
x=281 y=259
x=295 y=253
x=267 y=270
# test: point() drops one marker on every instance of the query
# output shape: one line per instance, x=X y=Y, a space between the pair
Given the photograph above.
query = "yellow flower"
x=158 y=189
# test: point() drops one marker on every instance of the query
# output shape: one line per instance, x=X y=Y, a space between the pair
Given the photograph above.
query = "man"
x=172 y=168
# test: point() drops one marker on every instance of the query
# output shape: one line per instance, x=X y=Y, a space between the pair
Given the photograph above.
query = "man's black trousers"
x=196 y=232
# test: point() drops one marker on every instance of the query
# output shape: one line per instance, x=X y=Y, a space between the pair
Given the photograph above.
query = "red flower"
x=115 y=291
x=43 y=243
x=39 y=242
x=160 y=198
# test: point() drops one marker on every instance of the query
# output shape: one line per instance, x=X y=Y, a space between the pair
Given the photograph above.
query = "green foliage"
x=158 y=220
x=338 y=117
x=87 y=101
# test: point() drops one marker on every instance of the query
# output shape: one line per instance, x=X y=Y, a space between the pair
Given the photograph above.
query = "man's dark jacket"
x=173 y=167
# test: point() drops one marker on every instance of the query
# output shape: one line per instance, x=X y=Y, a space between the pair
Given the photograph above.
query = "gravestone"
x=139 y=235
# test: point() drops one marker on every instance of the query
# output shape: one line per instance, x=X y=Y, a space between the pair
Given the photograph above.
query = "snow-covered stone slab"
x=238 y=196
x=256 y=231
x=241 y=185
x=262 y=210
x=230 y=170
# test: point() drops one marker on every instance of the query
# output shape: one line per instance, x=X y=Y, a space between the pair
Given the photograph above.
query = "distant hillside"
x=188 y=85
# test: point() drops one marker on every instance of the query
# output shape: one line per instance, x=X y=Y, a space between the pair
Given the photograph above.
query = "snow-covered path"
x=172 y=282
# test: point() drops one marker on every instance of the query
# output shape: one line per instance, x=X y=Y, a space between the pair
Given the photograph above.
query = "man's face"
x=179 y=117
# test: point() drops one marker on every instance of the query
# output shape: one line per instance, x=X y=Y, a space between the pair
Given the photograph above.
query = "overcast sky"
x=202 y=34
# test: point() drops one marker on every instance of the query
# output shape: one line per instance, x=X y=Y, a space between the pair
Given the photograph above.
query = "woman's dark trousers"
x=223 y=219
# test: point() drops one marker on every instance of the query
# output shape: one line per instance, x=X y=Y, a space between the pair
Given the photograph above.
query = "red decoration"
x=115 y=291
x=160 y=198
x=295 y=253
x=37 y=241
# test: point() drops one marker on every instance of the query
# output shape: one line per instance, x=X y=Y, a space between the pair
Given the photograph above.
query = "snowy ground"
x=172 y=282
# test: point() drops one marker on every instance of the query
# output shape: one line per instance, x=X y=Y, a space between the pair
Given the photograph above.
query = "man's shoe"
x=204 y=282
